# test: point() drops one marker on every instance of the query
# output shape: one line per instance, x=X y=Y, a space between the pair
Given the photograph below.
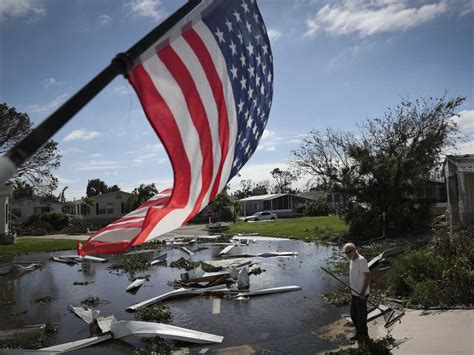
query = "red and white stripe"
x=188 y=99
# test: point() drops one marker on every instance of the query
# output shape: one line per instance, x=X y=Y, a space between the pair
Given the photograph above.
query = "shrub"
x=415 y=267
x=57 y=220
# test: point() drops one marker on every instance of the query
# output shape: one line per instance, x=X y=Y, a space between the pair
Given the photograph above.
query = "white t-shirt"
x=357 y=268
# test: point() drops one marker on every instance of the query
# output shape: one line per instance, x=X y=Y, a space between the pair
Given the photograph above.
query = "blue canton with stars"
x=238 y=28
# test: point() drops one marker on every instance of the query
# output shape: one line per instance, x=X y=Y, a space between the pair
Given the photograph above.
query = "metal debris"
x=243 y=280
x=87 y=314
x=77 y=344
x=269 y=291
x=226 y=249
x=135 y=284
x=159 y=259
x=64 y=260
x=29 y=331
x=123 y=329
x=179 y=292
x=105 y=323
x=83 y=258
x=187 y=251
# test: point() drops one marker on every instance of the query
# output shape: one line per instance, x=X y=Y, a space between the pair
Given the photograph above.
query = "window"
x=100 y=208
x=110 y=208
x=256 y=206
x=41 y=210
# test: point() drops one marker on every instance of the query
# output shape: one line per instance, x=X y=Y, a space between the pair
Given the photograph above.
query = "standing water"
x=276 y=323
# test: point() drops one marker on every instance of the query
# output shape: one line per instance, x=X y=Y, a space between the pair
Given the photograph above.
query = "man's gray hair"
x=349 y=246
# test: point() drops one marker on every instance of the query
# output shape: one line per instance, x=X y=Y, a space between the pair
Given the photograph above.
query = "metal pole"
x=121 y=64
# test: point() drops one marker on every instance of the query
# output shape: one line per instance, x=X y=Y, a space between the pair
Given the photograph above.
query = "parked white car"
x=261 y=216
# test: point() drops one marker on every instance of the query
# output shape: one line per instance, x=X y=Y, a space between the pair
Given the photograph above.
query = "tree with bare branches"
x=383 y=167
x=37 y=171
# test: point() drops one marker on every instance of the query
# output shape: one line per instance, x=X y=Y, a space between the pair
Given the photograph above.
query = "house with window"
x=284 y=205
x=459 y=176
x=335 y=201
x=105 y=208
x=24 y=207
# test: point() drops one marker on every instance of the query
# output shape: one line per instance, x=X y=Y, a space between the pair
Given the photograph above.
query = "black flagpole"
x=121 y=64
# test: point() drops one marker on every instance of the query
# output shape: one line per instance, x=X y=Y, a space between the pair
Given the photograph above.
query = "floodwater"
x=277 y=323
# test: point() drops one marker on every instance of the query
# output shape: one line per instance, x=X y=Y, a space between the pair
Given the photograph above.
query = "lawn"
x=327 y=228
x=36 y=245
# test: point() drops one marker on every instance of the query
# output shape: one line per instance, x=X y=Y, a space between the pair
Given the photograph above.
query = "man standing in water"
x=359 y=283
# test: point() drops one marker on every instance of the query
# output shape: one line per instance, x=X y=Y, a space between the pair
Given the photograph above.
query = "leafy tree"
x=383 y=167
x=22 y=189
x=36 y=171
x=221 y=205
x=260 y=189
x=246 y=187
x=98 y=187
x=141 y=194
x=283 y=179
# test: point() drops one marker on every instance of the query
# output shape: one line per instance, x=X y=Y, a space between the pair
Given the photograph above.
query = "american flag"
x=206 y=88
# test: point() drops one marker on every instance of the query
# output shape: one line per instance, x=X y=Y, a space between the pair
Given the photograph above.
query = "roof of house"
x=463 y=163
x=105 y=195
x=263 y=197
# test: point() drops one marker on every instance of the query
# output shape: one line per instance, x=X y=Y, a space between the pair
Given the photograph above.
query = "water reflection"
x=279 y=323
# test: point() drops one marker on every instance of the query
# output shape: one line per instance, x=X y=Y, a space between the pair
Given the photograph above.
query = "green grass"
x=327 y=228
x=36 y=245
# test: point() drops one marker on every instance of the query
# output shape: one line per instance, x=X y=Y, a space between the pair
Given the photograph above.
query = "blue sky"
x=336 y=63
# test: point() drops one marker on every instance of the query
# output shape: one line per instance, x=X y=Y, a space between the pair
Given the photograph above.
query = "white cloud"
x=145 y=8
x=93 y=165
x=104 y=19
x=50 y=106
x=65 y=181
x=273 y=34
x=81 y=134
x=122 y=90
x=30 y=9
x=368 y=17
x=270 y=140
x=96 y=155
x=50 y=82
x=466 y=122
